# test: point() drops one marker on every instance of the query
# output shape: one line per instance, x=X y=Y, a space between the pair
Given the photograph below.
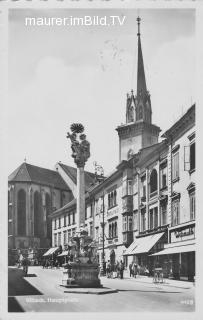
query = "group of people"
x=48 y=263
x=115 y=270
x=135 y=270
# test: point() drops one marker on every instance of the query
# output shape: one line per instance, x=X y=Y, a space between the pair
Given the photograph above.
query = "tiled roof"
x=29 y=173
x=72 y=173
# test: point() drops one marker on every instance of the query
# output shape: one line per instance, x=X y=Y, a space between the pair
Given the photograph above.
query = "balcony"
x=127 y=238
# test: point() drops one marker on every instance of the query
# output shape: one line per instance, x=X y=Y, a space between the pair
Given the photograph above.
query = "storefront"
x=178 y=256
x=141 y=249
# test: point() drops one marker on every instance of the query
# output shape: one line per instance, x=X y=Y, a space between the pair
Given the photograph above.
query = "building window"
x=135 y=220
x=69 y=223
x=156 y=217
x=115 y=198
x=112 y=199
x=140 y=115
x=175 y=212
x=125 y=220
x=189 y=157
x=73 y=217
x=163 y=177
x=21 y=213
x=91 y=209
x=130 y=187
x=38 y=217
x=192 y=156
x=163 y=209
x=153 y=181
x=130 y=223
x=143 y=188
x=59 y=239
x=85 y=212
x=113 y=232
x=151 y=219
x=64 y=237
x=64 y=222
x=55 y=239
x=175 y=166
x=59 y=222
x=110 y=231
x=55 y=224
x=192 y=206
x=143 y=221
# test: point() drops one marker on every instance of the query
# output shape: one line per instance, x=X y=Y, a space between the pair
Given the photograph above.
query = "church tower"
x=138 y=131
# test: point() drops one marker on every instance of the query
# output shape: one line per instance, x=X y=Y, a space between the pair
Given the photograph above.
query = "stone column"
x=80 y=153
x=80 y=216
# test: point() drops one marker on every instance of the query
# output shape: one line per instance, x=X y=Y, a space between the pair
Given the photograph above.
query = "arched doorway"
x=21 y=224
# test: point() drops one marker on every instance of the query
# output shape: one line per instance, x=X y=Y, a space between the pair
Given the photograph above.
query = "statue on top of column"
x=80 y=150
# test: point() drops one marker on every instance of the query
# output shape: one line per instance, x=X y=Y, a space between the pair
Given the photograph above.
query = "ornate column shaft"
x=80 y=216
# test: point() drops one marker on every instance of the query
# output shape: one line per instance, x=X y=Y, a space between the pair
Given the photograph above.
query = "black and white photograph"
x=101 y=160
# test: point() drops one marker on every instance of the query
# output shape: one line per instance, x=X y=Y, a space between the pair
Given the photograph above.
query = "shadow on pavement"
x=13 y=305
x=31 y=275
x=156 y=291
x=18 y=286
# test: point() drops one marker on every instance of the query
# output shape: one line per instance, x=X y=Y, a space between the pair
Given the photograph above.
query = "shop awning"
x=50 y=251
x=172 y=250
x=64 y=253
x=143 y=244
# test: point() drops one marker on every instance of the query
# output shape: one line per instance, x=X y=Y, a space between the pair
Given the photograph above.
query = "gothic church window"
x=140 y=113
x=21 y=213
x=48 y=211
x=38 y=218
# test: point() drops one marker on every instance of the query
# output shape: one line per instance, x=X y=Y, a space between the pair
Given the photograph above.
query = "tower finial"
x=138 y=24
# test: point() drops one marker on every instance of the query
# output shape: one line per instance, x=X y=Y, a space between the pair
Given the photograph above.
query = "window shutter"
x=186 y=158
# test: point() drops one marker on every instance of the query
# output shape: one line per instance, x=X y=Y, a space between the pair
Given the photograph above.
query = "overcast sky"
x=60 y=74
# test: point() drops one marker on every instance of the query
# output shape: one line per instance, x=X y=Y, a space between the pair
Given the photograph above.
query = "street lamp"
x=99 y=174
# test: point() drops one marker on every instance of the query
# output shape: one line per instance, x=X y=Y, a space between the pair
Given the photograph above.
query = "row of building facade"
x=149 y=206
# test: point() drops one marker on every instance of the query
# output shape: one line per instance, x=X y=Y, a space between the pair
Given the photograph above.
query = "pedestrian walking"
x=134 y=270
x=130 y=269
x=121 y=269
x=108 y=269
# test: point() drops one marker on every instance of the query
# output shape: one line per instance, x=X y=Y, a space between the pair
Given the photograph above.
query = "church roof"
x=72 y=173
x=30 y=173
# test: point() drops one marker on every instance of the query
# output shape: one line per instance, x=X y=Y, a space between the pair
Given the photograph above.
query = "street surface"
x=41 y=291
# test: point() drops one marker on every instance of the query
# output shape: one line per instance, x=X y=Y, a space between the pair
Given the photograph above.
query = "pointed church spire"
x=141 y=82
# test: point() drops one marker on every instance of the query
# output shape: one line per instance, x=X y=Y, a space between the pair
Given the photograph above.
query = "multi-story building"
x=179 y=252
x=164 y=204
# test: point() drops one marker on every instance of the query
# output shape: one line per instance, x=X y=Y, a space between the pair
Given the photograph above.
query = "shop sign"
x=112 y=212
x=183 y=234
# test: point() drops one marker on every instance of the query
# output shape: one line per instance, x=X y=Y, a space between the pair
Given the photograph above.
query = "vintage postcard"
x=99 y=143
